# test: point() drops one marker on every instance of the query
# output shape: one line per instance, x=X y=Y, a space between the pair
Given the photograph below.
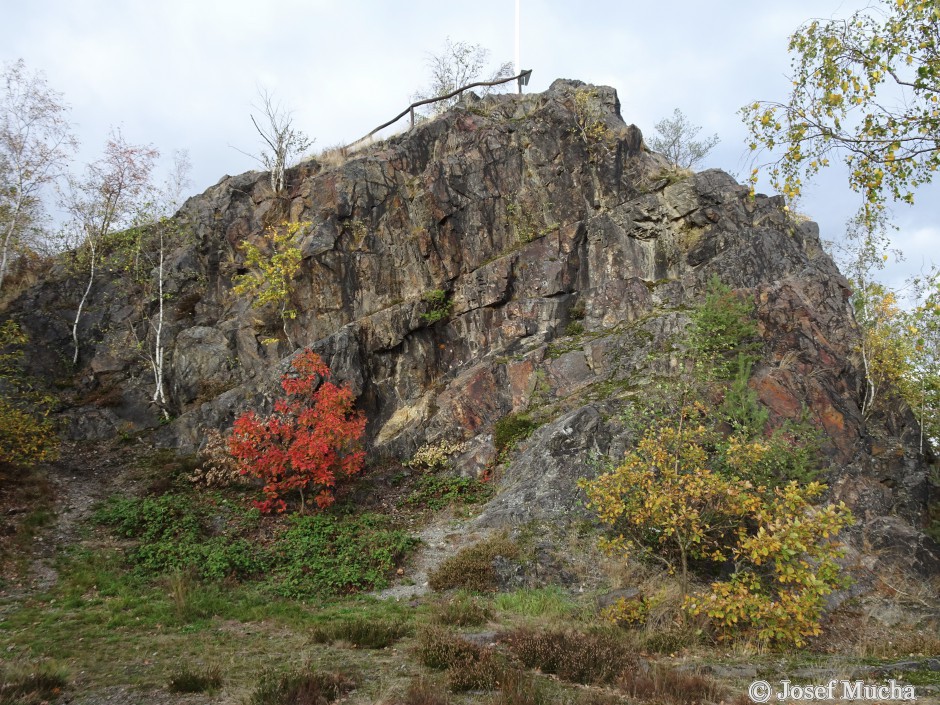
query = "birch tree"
x=675 y=139
x=36 y=143
x=283 y=142
x=105 y=199
x=454 y=66
x=167 y=233
x=866 y=90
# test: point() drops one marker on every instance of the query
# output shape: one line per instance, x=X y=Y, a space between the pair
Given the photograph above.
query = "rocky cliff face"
x=569 y=258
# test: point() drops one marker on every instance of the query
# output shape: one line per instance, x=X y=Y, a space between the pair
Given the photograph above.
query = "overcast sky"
x=183 y=74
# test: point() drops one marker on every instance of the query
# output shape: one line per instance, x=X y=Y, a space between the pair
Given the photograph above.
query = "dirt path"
x=440 y=539
x=80 y=478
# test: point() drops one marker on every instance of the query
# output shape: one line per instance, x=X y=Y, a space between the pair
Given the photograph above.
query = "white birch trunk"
x=157 y=359
x=81 y=304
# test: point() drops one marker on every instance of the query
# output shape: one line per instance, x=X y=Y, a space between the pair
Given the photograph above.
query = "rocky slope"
x=569 y=256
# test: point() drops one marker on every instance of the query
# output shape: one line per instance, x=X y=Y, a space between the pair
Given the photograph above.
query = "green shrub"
x=176 y=532
x=327 y=555
x=438 y=491
x=574 y=328
x=305 y=687
x=318 y=555
x=723 y=329
x=511 y=429
x=439 y=304
x=471 y=568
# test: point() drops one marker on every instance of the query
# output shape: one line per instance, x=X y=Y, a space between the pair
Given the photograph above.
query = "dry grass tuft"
x=193 y=680
x=31 y=684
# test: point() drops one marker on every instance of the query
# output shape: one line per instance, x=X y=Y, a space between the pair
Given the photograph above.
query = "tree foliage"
x=900 y=341
x=784 y=570
x=36 y=142
x=665 y=500
x=722 y=331
x=924 y=389
x=865 y=88
x=272 y=267
x=107 y=198
x=282 y=141
x=309 y=444
x=454 y=66
x=676 y=140
x=680 y=497
x=713 y=486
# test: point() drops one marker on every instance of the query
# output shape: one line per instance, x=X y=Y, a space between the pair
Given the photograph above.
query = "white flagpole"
x=518 y=63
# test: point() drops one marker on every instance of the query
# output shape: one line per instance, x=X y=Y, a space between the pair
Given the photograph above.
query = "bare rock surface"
x=569 y=258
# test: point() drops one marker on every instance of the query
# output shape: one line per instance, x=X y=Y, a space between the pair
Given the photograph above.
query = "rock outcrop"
x=568 y=256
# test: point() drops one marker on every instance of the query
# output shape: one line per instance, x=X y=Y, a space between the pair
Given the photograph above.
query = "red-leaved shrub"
x=309 y=444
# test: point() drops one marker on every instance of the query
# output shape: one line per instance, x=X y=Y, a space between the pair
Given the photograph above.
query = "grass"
x=26 y=499
x=116 y=626
x=117 y=621
x=31 y=684
x=548 y=603
x=422 y=691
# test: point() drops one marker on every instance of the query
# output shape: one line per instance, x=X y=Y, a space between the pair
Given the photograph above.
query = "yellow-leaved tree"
x=713 y=488
x=866 y=89
x=272 y=266
x=674 y=499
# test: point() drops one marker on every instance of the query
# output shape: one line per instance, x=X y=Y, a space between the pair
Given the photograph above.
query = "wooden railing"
x=522 y=78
